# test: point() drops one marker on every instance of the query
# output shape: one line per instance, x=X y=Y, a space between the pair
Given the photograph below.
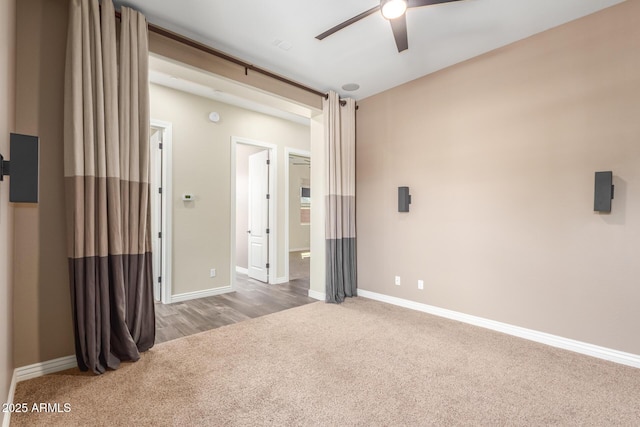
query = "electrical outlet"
x=420 y=284
x=397 y=280
x=212 y=272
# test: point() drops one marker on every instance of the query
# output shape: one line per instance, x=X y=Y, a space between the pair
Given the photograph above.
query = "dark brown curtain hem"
x=112 y=325
x=341 y=270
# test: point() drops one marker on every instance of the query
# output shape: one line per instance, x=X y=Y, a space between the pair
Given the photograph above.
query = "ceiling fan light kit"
x=392 y=9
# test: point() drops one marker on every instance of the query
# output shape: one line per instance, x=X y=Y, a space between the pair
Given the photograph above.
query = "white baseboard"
x=317 y=295
x=44 y=368
x=33 y=371
x=6 y=419
x=200 y=294
x=611 y=355
x=276 y=281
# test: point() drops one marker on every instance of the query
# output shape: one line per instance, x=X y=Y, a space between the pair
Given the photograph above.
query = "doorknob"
x=249 y=231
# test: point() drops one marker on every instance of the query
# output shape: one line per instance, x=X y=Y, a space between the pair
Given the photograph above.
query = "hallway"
x=252 y=299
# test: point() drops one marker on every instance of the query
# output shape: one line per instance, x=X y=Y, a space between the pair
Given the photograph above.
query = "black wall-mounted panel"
x=404 y=199
x=603 y=192
x=24 y=166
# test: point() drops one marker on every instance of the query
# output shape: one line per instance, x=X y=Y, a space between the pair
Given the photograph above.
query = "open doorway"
x=160 y=184
x=200 y=260
x=252 y=201
x=298 y=203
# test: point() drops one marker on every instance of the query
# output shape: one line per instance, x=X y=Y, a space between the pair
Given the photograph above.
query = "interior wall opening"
x=298 y=203
x=202 y=284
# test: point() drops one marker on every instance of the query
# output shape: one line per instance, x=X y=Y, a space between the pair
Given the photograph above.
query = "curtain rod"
x=342 y=101
x=204 y=48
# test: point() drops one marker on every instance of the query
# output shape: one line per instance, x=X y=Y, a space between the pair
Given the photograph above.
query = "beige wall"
x=500 y=153
x=7 y=120
x=202 y=165
x=42 y=327
x=299 y=234
x=41 y=301
x=243 y=152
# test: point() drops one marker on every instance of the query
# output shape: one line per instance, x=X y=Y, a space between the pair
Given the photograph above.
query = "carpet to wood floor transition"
x=359 y=363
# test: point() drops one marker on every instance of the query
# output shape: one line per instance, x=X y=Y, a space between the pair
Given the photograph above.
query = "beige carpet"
x=361 y=363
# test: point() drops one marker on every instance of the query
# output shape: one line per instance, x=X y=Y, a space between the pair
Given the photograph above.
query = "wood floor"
x=252 y=299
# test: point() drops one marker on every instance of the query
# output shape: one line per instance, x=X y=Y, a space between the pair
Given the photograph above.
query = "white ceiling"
x=364 y=53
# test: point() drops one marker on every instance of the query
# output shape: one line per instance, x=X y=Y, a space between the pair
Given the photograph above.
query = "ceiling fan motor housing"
x=395 y=12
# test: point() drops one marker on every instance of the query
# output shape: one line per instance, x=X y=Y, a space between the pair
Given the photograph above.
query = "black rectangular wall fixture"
x=4 y=168
x=603 y=193
x=23 y=168
x=404 y=199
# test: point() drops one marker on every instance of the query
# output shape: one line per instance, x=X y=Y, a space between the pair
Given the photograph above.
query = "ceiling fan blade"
x=348 y=22
x=418 y=3
x=399 y=27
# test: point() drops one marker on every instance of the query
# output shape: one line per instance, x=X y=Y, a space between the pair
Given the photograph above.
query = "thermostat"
x=188 y=197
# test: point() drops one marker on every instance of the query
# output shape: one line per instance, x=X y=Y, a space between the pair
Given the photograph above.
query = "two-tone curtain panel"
x=340 y=204
x=107 y=185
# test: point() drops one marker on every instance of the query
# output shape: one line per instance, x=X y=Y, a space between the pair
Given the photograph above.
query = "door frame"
x=165 y=155
x=288 y=151
x=273 y=206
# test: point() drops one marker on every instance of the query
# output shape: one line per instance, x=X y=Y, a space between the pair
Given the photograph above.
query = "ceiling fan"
x=392 y=10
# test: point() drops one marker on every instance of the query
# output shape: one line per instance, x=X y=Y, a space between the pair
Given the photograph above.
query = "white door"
x=258 y=248
x=156 y=208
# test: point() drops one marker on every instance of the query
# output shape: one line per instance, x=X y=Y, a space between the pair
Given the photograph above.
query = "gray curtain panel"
x=340 y=205
x=107 y=185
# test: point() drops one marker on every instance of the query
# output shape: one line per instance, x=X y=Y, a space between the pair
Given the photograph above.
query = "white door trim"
x=273 y=206
x=155 y=160
x=167 y=148
x=287 y=152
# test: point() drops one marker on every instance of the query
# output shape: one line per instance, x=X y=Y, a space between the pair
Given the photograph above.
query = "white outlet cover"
x=420 y=284
x=212 y=272
x=398 y=280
